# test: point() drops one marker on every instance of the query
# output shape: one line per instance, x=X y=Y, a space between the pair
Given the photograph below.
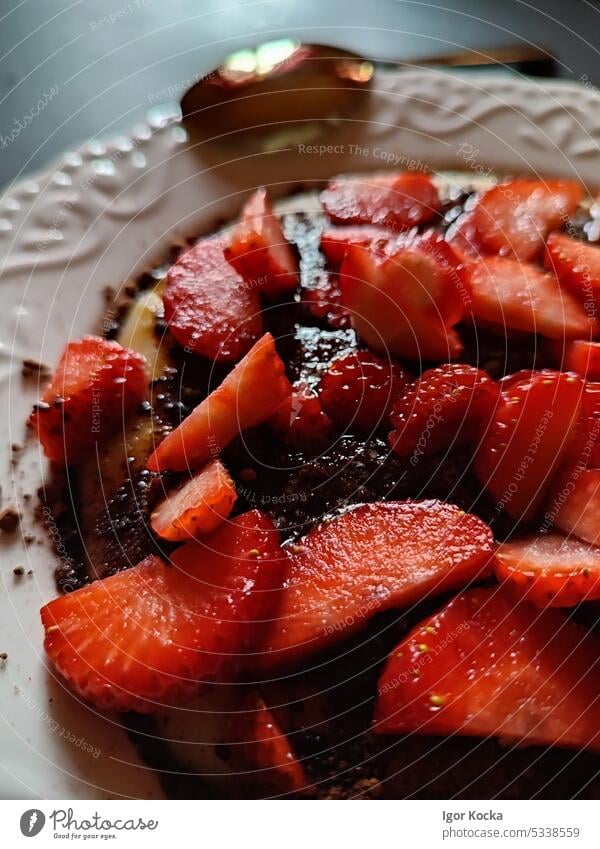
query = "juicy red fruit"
x=358 y=390
x=300 y=420
x=96 y=385
x=514 y=218
x=394 y=201
x=486 y=665
x=157 y=634
x=375 y=557
x=550 y=570
x=577 y=266
x=527 y=439
x=448 y=405
x=259 y=251
x=209 y=307
x=520 y=296
x=406 y=303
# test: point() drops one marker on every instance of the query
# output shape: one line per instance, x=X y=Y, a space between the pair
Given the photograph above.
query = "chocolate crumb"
x=18 y=571
x=28 y=539
x=33 y=368
x=9 y=520
x=3 y=656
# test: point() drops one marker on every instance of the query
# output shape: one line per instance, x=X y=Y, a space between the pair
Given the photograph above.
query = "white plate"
x=107 y=212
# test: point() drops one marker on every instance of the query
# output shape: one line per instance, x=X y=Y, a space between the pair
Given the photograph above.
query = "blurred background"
x=71 y=70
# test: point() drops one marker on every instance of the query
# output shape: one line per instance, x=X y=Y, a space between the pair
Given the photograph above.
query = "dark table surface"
x=71 y=70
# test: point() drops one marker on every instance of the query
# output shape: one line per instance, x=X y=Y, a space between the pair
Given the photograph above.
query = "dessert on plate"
x=330 y=488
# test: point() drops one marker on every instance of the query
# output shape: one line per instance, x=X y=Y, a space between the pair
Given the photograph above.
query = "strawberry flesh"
x=405 y=304
x=156 y=634
x=358 y=390
x=577 y=266
x=520 y=296
x=574 y=503
x=96 y=385
x=260 y=747
x=300 y=421
x=550 y=570
x=393 y=201
x=373 y=558
x=446 y=406
x=209 y=307
x=197 y=507
x=259 y=251
x=485 y=665
x=526 y=440
x=514 y=218
x=249 y=395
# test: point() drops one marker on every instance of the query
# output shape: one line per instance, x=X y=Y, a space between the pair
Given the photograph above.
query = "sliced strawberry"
x=519 y=296
x=577 y=266
x=249 y=395
x=96 y=385
x=300 y=420
x=156 y=633
x=259 y=251
x=358 y=390
x=526 y=440
x=487 y=666
x=209 y=307
x=404 y=305
x=259 y=747
x=577 y=355
x=323 y=299
x=583 y=450
x=574 y=503
x=550 y=570
x=462 y=238
x=514 y=218
x=448 y=405
x=335 y=240
x=375 y=557
x=395 y=201
x=197 y=507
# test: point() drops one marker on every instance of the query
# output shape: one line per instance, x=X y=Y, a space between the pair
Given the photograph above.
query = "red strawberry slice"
x=448 y=405
x=358 y=390
x=463 y=239
x=335 y=240
x=260 y=748
x=550 y=570
x=519 y=296
x=577 y=355
x=577 y=266
x=209 y=307
x=259 y=251
x=583 y=450
x=394 y=201
x=156 y=634
x=249 y=395
x=300 y=420
x=574 y=503
x=197 y=507
x=527 y=439
x=375 y=557
x=96 y=385
x=484 y=666
x=404 y=305
x=514 y=218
